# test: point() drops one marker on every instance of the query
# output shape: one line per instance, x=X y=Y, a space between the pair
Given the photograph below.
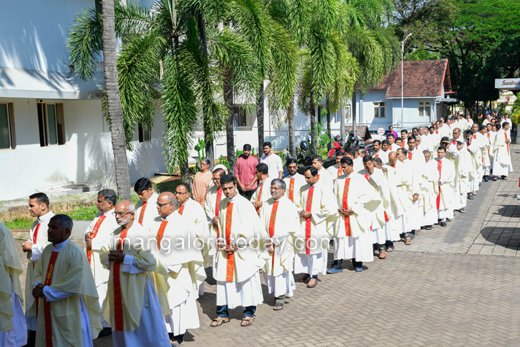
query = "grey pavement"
x=454 y=286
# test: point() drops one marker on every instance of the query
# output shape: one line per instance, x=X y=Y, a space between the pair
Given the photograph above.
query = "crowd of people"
x=143 y=267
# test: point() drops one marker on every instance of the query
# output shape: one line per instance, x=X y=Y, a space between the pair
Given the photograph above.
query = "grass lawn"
x=89 y=212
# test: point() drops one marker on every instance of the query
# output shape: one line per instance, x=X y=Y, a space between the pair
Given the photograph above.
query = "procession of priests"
x=138 y=270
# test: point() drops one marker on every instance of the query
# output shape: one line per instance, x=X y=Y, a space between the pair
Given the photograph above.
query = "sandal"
x=278 y=306
x=247 y=321
x=389 y=249
x=218 y=321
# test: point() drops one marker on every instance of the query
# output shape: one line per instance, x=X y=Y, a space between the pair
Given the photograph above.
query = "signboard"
x=381 y=131
x=507 y=83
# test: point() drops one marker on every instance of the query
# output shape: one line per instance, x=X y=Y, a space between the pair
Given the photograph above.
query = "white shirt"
x=274 y=163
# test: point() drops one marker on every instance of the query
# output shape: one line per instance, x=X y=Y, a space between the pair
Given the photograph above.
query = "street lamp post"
x=402 y=78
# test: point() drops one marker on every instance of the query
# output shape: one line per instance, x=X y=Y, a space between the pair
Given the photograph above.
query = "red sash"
x=35 y=235
x=507 y=144
x=291 y=189
x=230 y=257
x=217 y=209
x=489 y=140
x=402 y=144
x=386 y=217
x=437 y=132
x=181 y=209
x=377 y=155
x=118 y=298
x=272 y=220
x=141 y=215
x=160 y=233
x=345 y=206
x=439 y=167
x=259 y=197
x=475 y=136
x=410 y=155
x=367 y=176
x=454 y=141
x=47 y=305
x=94 y=234
x=340 y=171
x=318 y=177
x=308 y=208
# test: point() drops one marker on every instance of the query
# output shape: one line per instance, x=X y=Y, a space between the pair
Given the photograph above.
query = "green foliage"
x=18 y=223
x=322 y=137
x=223 y=161
x=199 y=147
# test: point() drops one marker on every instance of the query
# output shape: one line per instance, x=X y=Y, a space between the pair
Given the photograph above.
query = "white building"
x=52 y=130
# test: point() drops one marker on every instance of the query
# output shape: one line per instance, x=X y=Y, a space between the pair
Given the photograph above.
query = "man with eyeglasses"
x=135 y=285
x=184 y=263
x=146 y=212
x=201 y=182
x=279 y=218
x=101 y=228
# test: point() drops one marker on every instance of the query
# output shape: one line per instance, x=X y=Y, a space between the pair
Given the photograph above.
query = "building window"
x=379 y=110
x=51 y=124
x=242 y=117
x=424 y=108
x=7 y=133
x=145 y=133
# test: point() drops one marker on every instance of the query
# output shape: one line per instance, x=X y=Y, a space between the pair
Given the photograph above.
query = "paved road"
x=454 y=286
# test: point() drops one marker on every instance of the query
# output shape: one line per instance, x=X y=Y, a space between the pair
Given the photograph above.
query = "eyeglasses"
x=161 y=205
x=122 y=214
x=179 y=193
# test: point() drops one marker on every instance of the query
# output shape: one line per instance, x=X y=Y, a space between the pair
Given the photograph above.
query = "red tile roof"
x=421 y=78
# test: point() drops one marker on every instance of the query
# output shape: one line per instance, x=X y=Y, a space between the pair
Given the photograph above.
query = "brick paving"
x=454 y=286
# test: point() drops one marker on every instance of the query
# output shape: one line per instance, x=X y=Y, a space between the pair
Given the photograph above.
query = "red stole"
x=259 y=197
x=410 y=155
x=489 y=140
x=160 y=233
x=181 y=209
x=340 y=171
x=35 y=235
x=291 y=189
x=141 y=215
x=272 y=220
x=118 y=297
x=308 y=208
x=94 y=234
x=345 y=206
x=230 y=271
x=47 y=305
x=217 y=209
x=439 y=167
x=507 y=144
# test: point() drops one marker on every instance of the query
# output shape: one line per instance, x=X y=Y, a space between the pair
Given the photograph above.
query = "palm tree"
x=103 y=37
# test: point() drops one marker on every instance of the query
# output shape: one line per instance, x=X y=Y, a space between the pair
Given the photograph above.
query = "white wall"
x=34 y=33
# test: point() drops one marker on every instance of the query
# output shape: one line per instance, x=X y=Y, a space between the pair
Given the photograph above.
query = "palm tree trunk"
x=260 y=119
x=114 y=108
x=230 y=123
x=312 y=109
x=208 y=133
x=292 y=136
x=342 y=123
x=329 y=132
x=354 y=97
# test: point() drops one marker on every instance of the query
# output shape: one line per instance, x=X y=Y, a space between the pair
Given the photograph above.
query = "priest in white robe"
x=324 y=177
x=473 y=147
x=355 y=201
x=502 y=158
x=335 y=170
x=136 y=298
x=280 y=219
x=317 y=209
x=13 y=327
x=408 y=193
x=101 y=228
x=39 y=208
x=378 y=218
x=262 y=192
x=145 y=207
x=461 y=181
x=430 y=191
x=446 y=171
x=378 y=151
x=241 y=253
x=177 y=245
x=68 y=308
x=293 y=180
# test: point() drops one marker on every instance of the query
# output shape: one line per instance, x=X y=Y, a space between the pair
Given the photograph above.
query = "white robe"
x=150 y=211
x=335 y=171
x=382 y=155
x=100 y=272
x=34 y=256
x=278 y=269
x=430 y=190
x=244 y=289
x=263 y=192
x=362 y=199
x=325 y=180
x=502 y=159
x=446 y=177
x=298 y=182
